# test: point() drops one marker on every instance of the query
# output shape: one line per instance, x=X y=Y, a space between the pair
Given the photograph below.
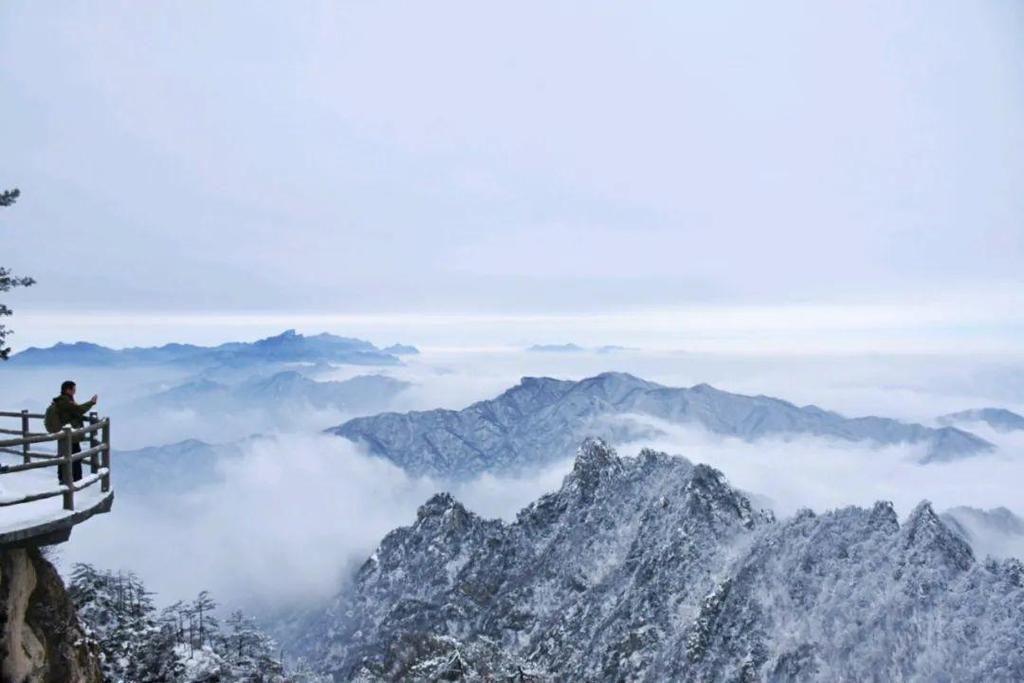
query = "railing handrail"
x=54 y=436
x=98 y=454
x=34 y=416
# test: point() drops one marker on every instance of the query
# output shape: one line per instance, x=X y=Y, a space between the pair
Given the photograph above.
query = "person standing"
x=64 y=411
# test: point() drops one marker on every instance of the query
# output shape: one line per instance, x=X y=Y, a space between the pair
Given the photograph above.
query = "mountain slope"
x=652 y=569
x=541 y=418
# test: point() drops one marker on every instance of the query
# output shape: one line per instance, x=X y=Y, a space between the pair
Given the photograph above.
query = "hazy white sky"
x=527 y=159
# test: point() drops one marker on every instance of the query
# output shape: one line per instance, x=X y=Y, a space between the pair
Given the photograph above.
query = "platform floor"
x=44 y=521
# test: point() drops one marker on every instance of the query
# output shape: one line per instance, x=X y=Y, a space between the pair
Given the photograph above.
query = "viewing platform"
x=39 y=500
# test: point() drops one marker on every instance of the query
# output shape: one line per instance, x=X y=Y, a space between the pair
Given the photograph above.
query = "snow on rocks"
x=652 y=568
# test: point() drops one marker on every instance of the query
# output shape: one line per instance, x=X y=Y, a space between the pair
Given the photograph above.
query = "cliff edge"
x=41 y=638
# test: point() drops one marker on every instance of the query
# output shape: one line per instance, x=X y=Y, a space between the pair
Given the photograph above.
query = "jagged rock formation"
x=654 y=569
x=41 y=639
x=999 y=419
x=541 y=419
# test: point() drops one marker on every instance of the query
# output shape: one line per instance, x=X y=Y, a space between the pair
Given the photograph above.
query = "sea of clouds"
x=288 y=522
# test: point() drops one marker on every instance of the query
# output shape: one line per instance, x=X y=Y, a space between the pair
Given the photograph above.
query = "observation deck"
x=36 y=468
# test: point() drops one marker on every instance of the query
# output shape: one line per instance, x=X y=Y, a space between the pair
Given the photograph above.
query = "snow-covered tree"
x=9 y=281
x=118 y=612
x=249 y=651
x=183 y=643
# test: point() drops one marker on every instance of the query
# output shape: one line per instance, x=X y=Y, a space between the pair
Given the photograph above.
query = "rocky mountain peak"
x=439 y=505
x=929 y=539
x=663 y=571
x=594 y=454
x=664 y=557
x=883 y=516
x=595 y=461
x=709 y=495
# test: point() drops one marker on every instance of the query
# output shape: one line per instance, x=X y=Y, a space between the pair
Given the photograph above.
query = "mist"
x=285 y=524
x=793 y=473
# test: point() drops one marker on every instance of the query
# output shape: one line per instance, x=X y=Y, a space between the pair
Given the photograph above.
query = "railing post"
x=24 y=435
x=105 y=480
x=67 y=479
x=94 y=441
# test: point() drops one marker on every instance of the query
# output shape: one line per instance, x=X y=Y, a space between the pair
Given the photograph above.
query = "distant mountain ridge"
x=576 y=348
x=556 y=348
x=402 y=350
x=655 y=569
x=363 y=393
x=541 y=418
x=999 y=419
x=288 y=346
x=172 y=469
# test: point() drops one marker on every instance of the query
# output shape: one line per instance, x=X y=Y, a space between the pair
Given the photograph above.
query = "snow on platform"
x=46 y=521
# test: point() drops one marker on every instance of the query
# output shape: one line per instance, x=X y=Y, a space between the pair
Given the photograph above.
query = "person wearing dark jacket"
x=68 y=412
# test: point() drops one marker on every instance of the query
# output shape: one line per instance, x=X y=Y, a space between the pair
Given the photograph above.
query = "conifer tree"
x=8 y=280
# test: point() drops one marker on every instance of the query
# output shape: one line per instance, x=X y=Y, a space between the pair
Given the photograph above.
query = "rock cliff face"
x=40 y=635
x=655 y=569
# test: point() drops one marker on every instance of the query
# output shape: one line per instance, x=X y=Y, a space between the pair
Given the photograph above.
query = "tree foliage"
x=8 y=280
x=183 y=643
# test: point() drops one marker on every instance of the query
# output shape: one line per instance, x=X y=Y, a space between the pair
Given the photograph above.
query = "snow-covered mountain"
x=999 y=419
x=655 y=569
x=541 y=419
x=287 y=347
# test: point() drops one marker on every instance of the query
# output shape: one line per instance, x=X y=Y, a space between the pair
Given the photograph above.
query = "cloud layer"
x=286 y=523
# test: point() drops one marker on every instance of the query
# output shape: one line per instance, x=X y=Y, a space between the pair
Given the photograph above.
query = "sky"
x=801 y=176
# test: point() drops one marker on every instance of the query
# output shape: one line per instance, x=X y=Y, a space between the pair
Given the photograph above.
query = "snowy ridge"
x=541 y=419
x=652 y=568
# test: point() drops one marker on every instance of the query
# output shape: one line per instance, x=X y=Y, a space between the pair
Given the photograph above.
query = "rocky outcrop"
x=41 y=638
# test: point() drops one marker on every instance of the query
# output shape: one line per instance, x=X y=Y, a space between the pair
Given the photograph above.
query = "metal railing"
x=98 y=455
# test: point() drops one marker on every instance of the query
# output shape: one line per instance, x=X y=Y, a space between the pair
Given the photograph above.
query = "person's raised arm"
x=84 y=408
